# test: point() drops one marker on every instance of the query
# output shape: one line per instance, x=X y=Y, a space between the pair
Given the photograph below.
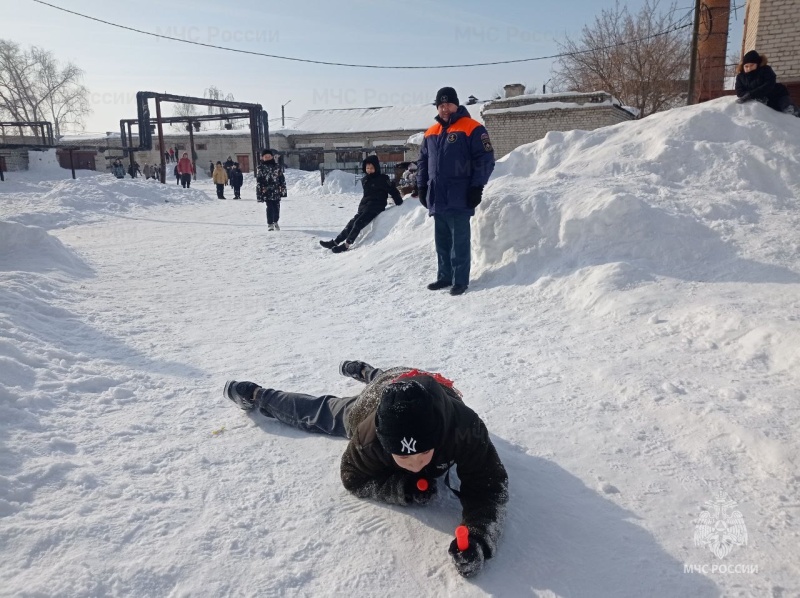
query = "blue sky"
x=119 y=63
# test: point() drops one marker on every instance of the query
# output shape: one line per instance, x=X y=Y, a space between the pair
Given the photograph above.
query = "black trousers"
x=220 y=191
x=273 y=211
x=326 y=414
x=186 y=180
x=236 y=190
x=355 y=226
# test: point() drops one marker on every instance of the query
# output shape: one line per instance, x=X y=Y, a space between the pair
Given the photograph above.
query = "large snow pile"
x=336 y=182
x=58 y=201
x=676 y=194
x=630 y=337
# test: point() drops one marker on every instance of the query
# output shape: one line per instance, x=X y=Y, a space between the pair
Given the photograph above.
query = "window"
x=202 y=146
x=311 y=160
x=390 y=156
x=344 y=156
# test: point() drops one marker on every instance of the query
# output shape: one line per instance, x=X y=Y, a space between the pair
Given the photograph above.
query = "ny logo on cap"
x=408 y=446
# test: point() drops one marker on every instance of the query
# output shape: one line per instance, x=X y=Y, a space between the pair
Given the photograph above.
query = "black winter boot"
x=439 y=284
x=241 y=393
x=328 y=244
x=340 y=248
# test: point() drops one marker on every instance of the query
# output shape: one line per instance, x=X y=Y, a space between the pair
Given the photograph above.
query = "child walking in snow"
x=406 y=428
x=377 y=189
x=270 y=187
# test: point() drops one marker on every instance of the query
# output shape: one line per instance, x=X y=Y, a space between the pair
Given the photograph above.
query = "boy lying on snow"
x=406 y=428
x=377 y=189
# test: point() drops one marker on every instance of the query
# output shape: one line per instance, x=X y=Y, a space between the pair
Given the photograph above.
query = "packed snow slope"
x=631 y=337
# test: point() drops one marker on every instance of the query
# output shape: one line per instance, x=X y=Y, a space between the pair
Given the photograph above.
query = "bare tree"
x=214 y=93
x=35 y=87
x=642 y=59
x=184 y=110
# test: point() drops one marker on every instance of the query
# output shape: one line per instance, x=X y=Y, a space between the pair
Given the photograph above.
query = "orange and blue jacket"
x=454 y=156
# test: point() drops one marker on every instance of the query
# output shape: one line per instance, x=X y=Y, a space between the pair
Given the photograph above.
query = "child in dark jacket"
x=270 y=187
x=406 y=428
x=755 y=80
x=236 y=180
x=377 y=189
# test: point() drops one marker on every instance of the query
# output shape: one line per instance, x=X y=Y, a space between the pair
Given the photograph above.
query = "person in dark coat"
x=755 y=80
x=228 y=166
x=177 y=175
x=377 y=189
x=407 y=425
x=236 y=180
x=118 y=169
x=455 y=162
x=270 y=187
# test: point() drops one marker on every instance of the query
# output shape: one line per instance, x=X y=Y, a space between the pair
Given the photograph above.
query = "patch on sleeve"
x=487 y=145
x=451 y=138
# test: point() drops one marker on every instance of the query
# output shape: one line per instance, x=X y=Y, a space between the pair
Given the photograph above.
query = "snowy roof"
x=366 y=120
x=556 y=97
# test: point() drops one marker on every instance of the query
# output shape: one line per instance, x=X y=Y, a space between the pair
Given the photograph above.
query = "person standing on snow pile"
x=377 y=189
x=406 y=426
x=270 y=187
x=455 y=162
x=177 y=175
x=236 y=179
x=220 y=178
x=755 y=80
x=171 y=155
x=185 y=170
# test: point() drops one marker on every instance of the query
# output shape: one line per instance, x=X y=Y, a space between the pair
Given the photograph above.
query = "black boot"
x=439 y=284
x=328 y=244
x=241 y=393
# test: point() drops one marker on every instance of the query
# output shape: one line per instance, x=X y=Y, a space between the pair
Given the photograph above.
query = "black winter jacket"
x=270 y=182
x=377 y=188
x=761 y=84
x=236 y=178
x=368 y=470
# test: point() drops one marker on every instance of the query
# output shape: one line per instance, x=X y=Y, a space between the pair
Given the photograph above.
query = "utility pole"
x=283 y=117
x=693 y=59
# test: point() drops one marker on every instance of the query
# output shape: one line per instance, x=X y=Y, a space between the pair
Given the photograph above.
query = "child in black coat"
x=377 y=189
x=757 y=81
x=236 y=180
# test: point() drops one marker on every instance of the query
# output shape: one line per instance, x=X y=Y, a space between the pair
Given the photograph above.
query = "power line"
x=364 y=66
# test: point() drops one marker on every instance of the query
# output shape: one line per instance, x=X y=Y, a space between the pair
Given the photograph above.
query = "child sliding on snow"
x=406 y=428
x=377 y=189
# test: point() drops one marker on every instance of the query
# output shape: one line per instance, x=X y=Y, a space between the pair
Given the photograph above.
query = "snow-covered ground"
x=631 y=337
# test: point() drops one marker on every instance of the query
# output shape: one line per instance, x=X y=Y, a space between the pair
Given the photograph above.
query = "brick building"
x=772 y=27
x=519 y=118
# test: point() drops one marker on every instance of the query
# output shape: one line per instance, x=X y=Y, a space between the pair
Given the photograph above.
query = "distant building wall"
x=14 y=159
x=508 y=129
x=772 y=27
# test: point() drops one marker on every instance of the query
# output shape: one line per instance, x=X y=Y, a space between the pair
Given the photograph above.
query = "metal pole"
x=161 y=141
x=254 y=138
x=693 y=59
x=72 y=164
x=191 y=150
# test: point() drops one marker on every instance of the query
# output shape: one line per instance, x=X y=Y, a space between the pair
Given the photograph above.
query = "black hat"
x=406 y=422
x=446 y=95
x=751 y=57
x=373 y=159
x=266 y=150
